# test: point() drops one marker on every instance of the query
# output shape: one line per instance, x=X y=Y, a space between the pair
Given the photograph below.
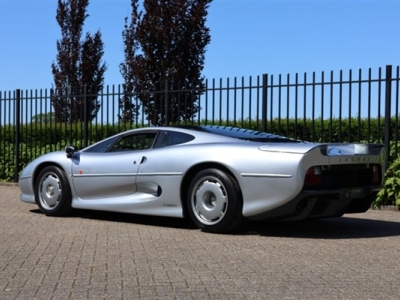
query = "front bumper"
x=27 y=192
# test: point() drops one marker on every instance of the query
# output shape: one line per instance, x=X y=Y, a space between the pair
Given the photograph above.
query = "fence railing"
x=361 y=106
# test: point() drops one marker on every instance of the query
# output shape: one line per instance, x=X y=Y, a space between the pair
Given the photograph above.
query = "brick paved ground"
x=94 y=255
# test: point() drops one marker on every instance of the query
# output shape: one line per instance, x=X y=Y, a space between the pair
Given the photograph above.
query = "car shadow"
x=335 y=228
x=167 y=222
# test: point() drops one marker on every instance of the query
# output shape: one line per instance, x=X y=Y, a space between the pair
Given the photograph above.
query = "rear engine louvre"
x=342 y=176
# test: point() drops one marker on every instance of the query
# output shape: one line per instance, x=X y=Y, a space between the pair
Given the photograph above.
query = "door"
x=111 y=172
x=105 y=175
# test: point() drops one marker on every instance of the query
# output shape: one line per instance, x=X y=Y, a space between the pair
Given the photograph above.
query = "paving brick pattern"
x=97 y=255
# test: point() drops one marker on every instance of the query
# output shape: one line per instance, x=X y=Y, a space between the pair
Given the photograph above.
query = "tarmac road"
x=97 y=255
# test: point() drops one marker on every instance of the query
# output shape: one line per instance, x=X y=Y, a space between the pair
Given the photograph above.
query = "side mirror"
x=70 y=150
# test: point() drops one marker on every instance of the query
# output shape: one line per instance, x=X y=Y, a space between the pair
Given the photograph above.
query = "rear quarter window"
x=176 y=138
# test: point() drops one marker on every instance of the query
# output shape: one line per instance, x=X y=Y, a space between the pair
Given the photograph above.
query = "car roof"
x=219 y=133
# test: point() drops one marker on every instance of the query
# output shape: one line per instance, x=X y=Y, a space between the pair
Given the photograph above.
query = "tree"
x=171 y=39
x=128 y=107
x=78 y=72
x=43 y=118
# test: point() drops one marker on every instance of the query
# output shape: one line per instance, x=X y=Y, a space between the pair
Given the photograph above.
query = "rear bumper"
x=323 y=204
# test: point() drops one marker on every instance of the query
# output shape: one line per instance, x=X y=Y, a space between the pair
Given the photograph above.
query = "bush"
x=390 y=192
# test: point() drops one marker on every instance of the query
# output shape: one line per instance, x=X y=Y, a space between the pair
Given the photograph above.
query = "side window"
x=102 y=147
x=135 y=142
x=175 y=138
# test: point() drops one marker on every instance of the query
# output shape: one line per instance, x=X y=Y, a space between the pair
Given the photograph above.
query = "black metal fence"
x=361 y=106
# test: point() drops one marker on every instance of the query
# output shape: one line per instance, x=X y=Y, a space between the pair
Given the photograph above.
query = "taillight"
x=313 y=177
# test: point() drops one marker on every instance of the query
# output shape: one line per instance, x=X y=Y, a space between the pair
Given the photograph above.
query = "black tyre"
x=53 y=192
x=215 y=202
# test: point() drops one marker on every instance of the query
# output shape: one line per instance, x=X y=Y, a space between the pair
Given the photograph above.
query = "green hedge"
x=390 y=193
x=309 y=130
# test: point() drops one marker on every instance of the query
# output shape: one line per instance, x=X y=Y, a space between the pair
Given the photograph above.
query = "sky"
x=248 y=38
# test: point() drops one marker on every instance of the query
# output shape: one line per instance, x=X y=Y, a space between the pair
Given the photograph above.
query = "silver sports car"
x=217 y=176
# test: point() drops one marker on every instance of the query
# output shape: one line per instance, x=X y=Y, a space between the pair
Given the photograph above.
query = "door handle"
x=143 y=160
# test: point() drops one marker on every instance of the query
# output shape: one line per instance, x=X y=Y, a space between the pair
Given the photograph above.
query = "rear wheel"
x=214 y=201
x=53 y=192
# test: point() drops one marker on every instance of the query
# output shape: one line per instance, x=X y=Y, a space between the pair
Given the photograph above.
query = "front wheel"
x=53 y=192
x=215 y=202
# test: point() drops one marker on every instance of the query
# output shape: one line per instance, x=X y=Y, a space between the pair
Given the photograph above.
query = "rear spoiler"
x=326 y=149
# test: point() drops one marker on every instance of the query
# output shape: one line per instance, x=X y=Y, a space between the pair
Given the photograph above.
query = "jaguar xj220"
x=219 y=177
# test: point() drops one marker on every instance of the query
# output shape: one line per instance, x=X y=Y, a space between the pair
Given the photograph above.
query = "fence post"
x=85 y=118
x=17 y=132
x=166 y=119
x=388 y=100
x=264 y=102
